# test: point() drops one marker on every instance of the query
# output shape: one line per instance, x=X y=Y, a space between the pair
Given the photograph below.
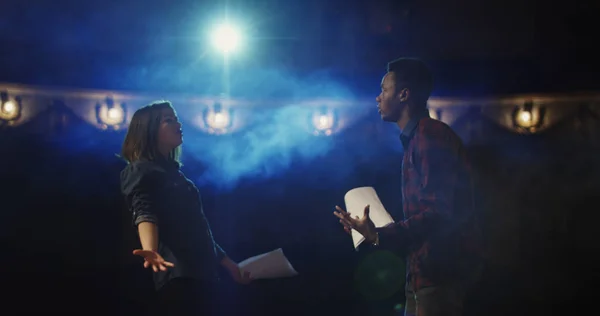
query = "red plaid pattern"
x=439 y=231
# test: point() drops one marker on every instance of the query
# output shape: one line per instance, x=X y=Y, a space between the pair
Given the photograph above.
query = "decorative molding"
x=499 y=109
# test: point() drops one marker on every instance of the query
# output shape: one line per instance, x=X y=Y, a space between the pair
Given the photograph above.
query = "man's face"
x=389 y=101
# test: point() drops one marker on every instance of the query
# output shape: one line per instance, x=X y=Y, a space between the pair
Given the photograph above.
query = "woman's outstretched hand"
x=153 y=259
x=240 y=276
x=237 y=274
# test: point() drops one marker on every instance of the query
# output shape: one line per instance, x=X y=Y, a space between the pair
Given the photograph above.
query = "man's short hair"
x=415 y=74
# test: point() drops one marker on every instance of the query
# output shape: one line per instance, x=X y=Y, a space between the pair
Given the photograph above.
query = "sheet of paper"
x=356 y=200
x=270 y=265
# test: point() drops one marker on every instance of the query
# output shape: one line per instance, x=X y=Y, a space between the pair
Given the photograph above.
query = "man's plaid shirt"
x=439 y=231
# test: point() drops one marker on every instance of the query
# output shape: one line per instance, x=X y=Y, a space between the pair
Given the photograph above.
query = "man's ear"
x=403 y=95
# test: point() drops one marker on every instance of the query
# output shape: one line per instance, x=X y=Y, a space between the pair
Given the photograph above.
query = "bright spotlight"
x=528 y=118
x=10 y=110
x=218 y=120
x=525 y=117
x=323 y=122
x=226 y=38
x=9 y=107
x=111 y=115
x=115 y=114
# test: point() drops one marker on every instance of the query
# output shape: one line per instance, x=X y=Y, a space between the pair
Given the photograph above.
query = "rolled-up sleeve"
x=139 y=186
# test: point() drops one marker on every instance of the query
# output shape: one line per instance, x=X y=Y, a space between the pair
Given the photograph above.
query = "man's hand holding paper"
x=363 y=226
x=364 y=214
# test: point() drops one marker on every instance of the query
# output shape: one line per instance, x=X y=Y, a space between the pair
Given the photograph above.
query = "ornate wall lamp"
x=111 y=114
x=217 y=119
x=10 y=109
x=528 y=118
x=324 y=121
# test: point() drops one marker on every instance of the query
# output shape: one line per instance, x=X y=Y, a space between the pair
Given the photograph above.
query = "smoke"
x=276 y=140
x=279 y=139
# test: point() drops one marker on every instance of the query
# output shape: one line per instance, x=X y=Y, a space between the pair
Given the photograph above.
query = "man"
x=439 y=231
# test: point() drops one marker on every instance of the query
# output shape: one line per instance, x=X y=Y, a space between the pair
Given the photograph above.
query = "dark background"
x=66 y=237
x=490 y=47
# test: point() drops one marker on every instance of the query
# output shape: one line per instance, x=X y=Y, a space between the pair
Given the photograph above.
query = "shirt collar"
x=409 y=130
x=168 y=164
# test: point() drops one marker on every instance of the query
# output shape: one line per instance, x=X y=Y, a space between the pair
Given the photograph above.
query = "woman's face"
x=169 y=132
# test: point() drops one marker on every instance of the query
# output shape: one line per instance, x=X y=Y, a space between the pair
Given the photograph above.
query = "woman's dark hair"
x=141 y=141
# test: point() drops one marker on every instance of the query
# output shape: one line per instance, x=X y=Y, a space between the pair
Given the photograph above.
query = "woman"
x=176 y=239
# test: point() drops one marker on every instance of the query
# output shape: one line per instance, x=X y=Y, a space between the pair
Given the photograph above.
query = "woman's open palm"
x=153 y=259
